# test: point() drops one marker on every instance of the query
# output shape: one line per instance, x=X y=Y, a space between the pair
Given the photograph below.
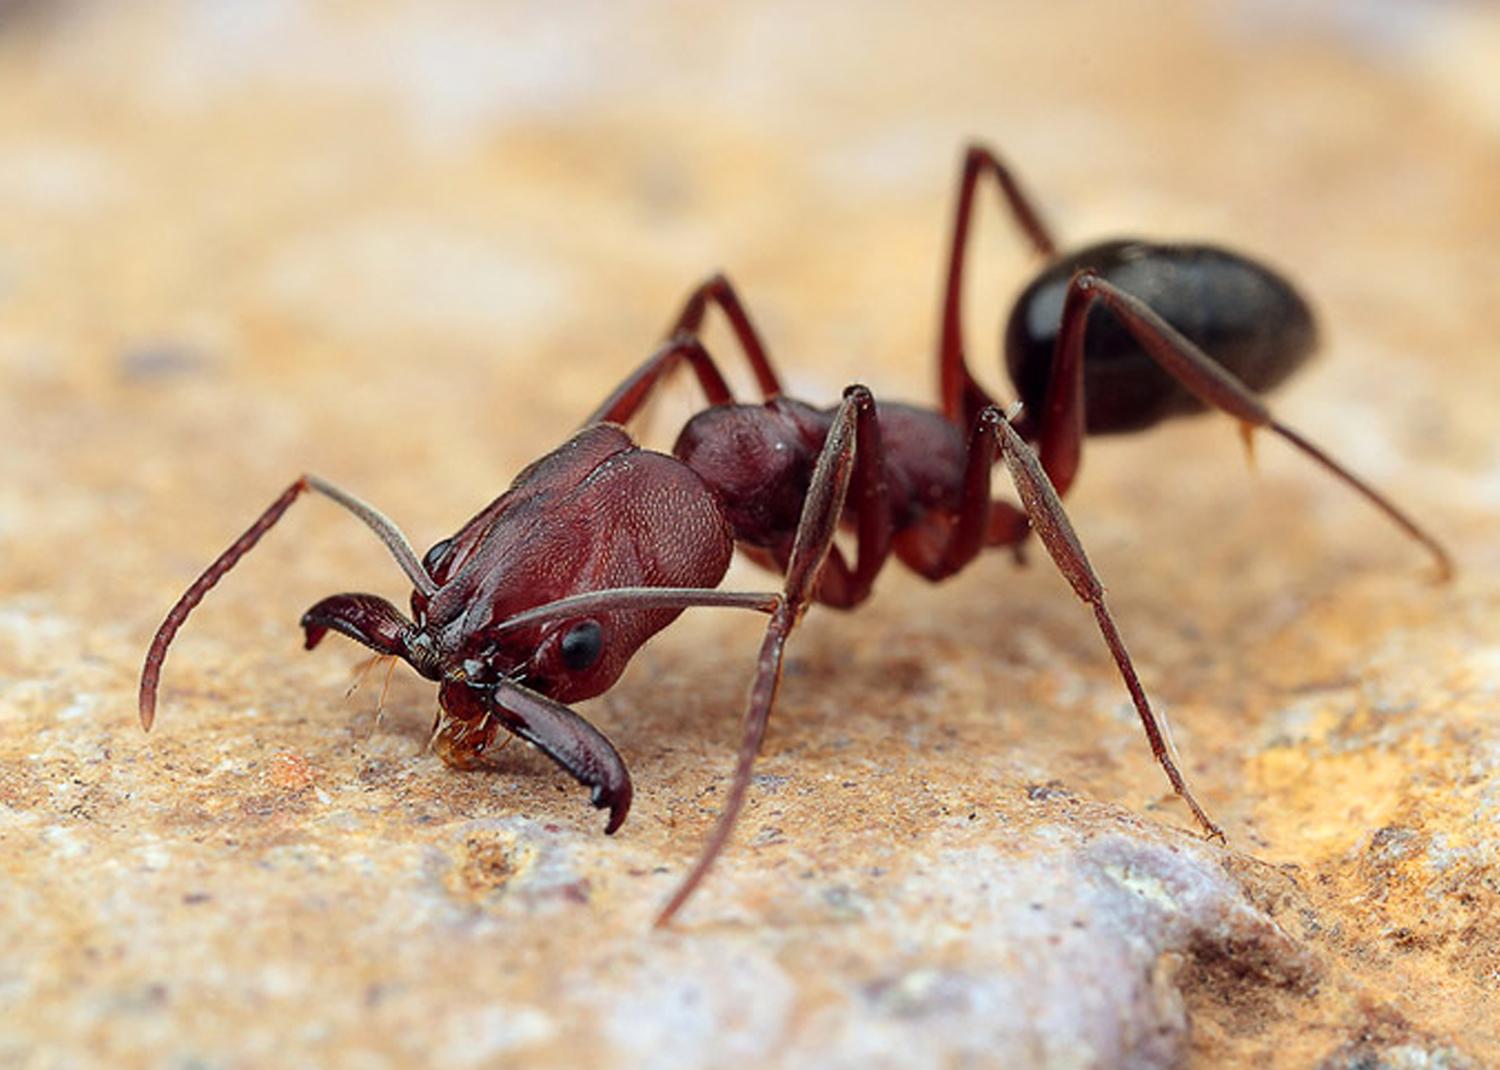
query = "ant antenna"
x=374 y=519
x=623 y=598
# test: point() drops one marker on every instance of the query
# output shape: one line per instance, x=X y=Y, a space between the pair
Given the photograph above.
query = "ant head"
x=596 y=514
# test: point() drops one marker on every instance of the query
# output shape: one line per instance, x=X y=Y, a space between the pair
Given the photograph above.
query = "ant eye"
x=582 y=645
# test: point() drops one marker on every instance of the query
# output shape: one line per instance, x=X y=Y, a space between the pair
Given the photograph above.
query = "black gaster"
x=1239 y=312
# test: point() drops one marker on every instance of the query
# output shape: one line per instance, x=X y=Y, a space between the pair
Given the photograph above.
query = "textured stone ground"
x=409 y=247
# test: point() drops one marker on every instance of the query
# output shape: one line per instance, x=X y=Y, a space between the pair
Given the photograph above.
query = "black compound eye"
x=582 y=645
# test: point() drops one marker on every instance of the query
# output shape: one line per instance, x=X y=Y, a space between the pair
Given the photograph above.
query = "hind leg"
x=1060 y=425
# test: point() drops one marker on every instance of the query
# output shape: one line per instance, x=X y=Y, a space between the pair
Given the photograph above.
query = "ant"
x=543 y=597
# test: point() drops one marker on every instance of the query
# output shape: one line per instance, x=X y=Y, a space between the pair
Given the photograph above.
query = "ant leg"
x=1060 y=427
x=627 y=398
x=1195 y=370
x=838 y=584
x=683 y=344
x=938 y=552
x=720 y=290
x=962 y=398
x=1050 y=521
x=821 y=510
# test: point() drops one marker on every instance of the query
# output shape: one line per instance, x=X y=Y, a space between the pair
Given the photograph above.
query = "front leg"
x=718 y=289
x=839 y=584
x=821 y=510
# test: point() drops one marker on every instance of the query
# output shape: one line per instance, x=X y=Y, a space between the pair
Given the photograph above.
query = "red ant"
x=545 y=595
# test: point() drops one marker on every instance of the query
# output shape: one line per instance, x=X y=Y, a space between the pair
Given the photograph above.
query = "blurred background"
x=410 y=246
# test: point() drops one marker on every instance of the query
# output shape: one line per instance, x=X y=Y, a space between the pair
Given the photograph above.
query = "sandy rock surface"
x=408 y=247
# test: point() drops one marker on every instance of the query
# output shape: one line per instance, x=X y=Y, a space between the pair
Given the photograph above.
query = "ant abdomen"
x=1242 y=314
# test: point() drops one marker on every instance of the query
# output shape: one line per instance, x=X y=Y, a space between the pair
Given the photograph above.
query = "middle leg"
x=842 y=469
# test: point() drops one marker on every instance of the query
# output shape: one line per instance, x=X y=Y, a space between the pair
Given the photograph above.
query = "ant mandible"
x=542 y=598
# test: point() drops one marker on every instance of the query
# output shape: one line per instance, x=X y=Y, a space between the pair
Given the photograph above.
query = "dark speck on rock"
x=156 y=361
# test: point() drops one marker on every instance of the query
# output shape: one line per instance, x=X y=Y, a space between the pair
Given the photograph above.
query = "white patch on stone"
x=477 y=1038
